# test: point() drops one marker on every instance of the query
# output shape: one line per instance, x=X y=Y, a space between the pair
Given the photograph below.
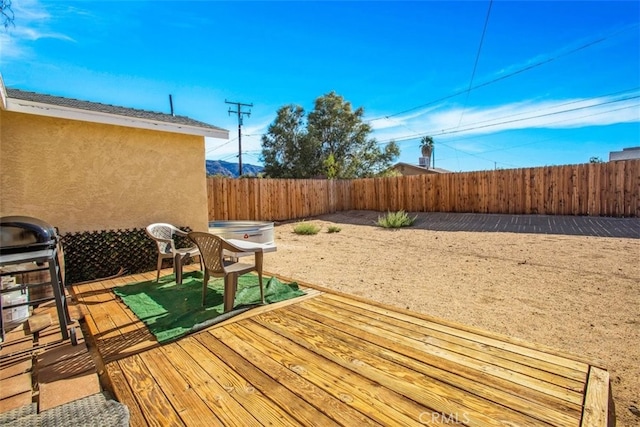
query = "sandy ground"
x=577 y=294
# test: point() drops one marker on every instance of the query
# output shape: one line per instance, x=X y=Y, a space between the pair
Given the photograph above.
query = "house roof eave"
x=51 y=110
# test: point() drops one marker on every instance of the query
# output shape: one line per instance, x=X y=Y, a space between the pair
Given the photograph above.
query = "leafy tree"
x=287 y=152
x=330 y=167
x=334 y=143
x=426 y=149
x=426 y=146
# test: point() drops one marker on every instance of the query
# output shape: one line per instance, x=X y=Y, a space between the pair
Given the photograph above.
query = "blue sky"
x=497 y=85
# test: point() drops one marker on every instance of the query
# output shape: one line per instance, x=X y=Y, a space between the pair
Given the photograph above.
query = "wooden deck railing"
x=595 y=189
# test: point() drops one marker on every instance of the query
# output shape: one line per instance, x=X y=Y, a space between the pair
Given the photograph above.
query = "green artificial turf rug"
x=171 y=311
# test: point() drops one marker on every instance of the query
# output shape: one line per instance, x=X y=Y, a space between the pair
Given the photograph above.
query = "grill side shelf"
x=30 y=270
x=42 y=257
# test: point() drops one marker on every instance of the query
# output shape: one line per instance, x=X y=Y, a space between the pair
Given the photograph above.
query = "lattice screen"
x=94 y=255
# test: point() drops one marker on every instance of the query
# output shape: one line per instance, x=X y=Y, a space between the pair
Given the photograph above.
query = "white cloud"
x=549 y=114
x=31 y=23
x=29 y=10
x=389 y=122
x=37 y=34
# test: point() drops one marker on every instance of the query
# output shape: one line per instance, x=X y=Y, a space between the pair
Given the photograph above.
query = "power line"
x=554 y=108
x=478 y=125
x=240 y=113
x=221 y=145
x=538 y=116
x=537 y=141
x=478 y=155
x=228 y=157
x=566 y=103
x=516 y=72
x=475 y=64
x=254 y=154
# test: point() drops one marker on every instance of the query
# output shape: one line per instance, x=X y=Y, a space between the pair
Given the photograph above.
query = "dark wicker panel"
x=92 y=255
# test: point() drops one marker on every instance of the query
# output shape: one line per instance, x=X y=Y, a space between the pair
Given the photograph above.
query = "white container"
x=15 y=315
x=251 y=231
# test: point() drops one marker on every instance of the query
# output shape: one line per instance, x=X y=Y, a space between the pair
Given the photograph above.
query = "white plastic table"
x=249 y=247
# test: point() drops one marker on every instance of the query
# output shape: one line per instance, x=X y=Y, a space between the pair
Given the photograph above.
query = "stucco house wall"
x=83 y=176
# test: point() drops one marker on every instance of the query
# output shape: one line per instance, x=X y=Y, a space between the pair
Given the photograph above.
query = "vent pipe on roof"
x=171 y=104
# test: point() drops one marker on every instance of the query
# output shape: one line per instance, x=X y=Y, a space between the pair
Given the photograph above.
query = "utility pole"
x=239 y=112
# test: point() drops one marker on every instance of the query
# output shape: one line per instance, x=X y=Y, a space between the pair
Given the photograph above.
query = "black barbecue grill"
x=25 y=234
x=33 y=244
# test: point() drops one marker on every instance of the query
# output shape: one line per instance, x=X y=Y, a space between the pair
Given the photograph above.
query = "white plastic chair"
x=163 y=235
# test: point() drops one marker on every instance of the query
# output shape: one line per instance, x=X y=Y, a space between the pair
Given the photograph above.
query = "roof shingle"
x=106 y=108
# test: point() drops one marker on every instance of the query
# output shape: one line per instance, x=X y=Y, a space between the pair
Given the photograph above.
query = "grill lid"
x=25 y=234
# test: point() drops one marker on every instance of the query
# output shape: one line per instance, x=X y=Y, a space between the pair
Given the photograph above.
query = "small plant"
x=395 y=220
x=333 y=229
x=306 y=228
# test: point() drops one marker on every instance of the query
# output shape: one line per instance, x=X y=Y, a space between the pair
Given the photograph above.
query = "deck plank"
x=155 y=405
x=122 y=392
x=300 y=409
x=333 y=359
x=480 y=381
x=479 y=350
x=188 y=405
x=254 y=353
x=235 y=385
x=583 y=363
x=309 y=294
x=596 y=399
x=115 y=328
x=97 y=298
x=248 y=396
x=515 y=346
x=228 y=409
x=453 y=348
x=430 y=392
x=391 y=408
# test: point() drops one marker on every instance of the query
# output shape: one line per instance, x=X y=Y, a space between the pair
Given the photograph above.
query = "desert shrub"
x=395 y=220
x=306 y=228
x=333 y=229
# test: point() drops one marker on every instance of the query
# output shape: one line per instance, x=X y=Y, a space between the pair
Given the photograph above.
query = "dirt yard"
x=577 y=294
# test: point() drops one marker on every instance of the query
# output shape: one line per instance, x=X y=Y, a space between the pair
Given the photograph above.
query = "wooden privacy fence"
x=595 y=189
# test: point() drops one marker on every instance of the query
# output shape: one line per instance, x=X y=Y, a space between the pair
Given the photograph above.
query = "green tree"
x=426 y=146
x=335 y=143
x=287 y=152
x=426 y=149
x=330 y=167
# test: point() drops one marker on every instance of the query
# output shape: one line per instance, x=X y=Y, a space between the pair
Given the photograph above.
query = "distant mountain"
x=220 y=167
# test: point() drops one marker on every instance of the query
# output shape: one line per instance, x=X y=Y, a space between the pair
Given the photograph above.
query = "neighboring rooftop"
x=56 y=106
x=409 y=169
x=626 y=154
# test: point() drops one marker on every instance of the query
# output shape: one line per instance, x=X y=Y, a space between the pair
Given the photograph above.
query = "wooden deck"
x=333 y=359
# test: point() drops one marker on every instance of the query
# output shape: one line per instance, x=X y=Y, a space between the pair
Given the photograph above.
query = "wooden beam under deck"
x=334 y=359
